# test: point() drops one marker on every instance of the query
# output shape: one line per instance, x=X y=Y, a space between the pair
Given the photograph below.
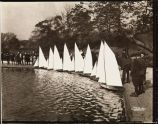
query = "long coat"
x=126 y=63
x=138 y=71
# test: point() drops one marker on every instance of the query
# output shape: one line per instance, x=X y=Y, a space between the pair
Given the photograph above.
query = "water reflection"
x=42 y=95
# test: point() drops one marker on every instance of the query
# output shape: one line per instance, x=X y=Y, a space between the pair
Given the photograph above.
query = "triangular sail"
x=72 y=65
x=66 y=59
x=111 y=68
x=47 y=63
x=57 y=60
x=51 y=59
x=36 y=63
x=100 y=61
x=79 y=62
x=61 y=64
x=42 y=60
x=94 y=71
x=88 y=61
x=100 y=66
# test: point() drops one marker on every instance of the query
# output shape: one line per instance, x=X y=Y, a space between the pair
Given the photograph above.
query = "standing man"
x=138 y=72
x=2 y=56
x=20 y=56
x=12 y=57
x=29 y=58
x=125 y=65
x=32 y=55
x=8 y=57
x=25 y=58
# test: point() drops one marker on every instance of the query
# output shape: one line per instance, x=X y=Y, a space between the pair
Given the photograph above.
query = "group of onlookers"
x=24 y=58
x=136 y=68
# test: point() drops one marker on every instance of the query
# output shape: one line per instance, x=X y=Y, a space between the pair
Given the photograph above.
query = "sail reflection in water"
x=41 y=95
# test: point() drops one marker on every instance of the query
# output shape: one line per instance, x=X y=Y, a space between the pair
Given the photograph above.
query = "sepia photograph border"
x=155 y=64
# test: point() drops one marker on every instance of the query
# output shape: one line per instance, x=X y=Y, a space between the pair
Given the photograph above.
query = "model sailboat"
x=51 y=59
x=72 y=68
x=100 y=66
x=47 y=63
x=42 y=60
x=36 y=63
x=57 y=60
x=106 y=70
x=79 y=62
x=66 y=59
x=94 y=71
x=61 y=64
x=88 y=62
x=111 y=68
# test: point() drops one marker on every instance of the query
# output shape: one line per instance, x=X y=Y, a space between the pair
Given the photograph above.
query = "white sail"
x=88 y=63
x=47 y=63
x=51 y=59
x=72 y=68
x=79 y=62
x=94 y=71
x=61 y=64
x=100 y=66
x=36 y=63
x=57 y=60
x=111 y=68
x=66 y=59
x=42 y=60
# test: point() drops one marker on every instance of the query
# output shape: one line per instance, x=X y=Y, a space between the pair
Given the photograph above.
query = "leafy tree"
x=47 y=33
x=9 y=42
x=118 y=22
x=137 y=16
x=90 y=22
x=79 y=24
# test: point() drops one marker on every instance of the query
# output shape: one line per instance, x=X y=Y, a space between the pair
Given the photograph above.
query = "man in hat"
x=138 y=72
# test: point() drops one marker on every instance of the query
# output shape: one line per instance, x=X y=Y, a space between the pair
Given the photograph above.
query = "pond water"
x=41 y=95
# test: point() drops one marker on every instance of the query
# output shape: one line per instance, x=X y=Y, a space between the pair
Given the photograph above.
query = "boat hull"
x=40 y=68
x=70 y=72
x=85 y=75
x=60 y=70
x=111 y=88
x=79 y=72
x=36 y=67
x=93 y=78
x=65 y=71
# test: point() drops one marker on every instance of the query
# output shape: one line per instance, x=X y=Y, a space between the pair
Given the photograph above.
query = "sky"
x=21 y=17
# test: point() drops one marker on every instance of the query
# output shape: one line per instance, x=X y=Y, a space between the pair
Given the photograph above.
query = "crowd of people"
x=24 y=58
